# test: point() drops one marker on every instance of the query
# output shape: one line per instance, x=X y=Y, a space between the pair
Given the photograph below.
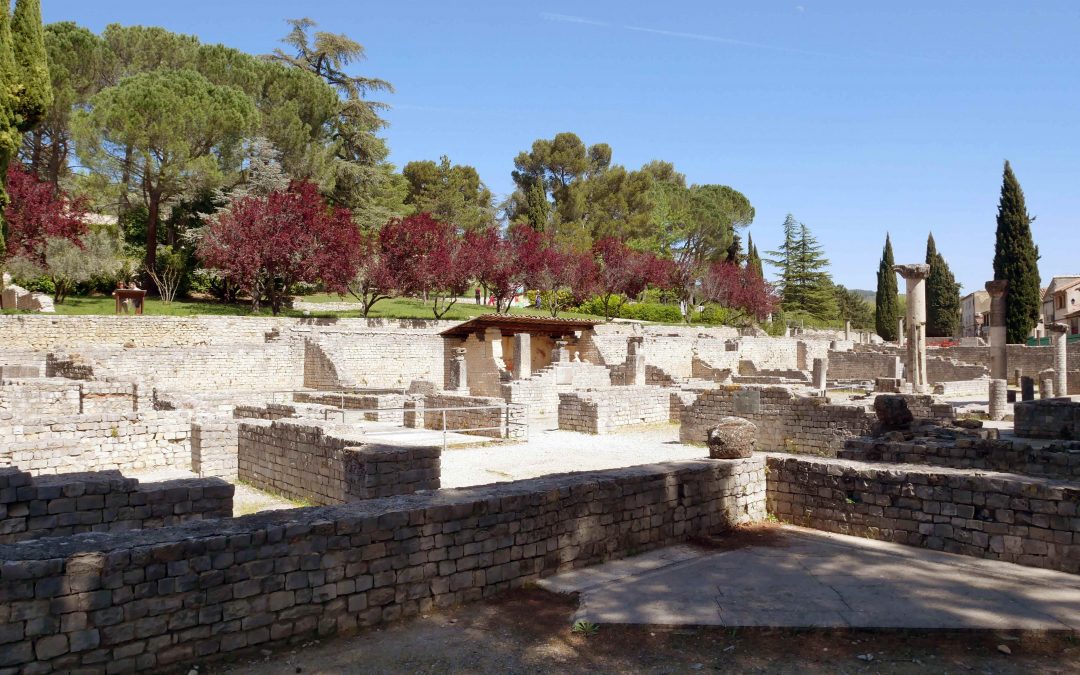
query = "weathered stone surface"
x=732 y=438
x=892 y=412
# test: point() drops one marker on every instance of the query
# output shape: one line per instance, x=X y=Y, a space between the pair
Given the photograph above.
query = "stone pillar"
x=522 y=356
x=459 y=378
x=821 y=367
x=900 y=331
x=1018 y=374
x=1060 y=339
x=847 y=330
x=561 y=353
x=915 y=276
x=1046 y=383
x=999 y=399
x=635 y=361
x=999 y=354
x=1027 y=389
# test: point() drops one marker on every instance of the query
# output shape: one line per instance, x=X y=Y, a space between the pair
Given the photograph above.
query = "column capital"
x=1058 y=328
x=997 y=287
x=913 y=270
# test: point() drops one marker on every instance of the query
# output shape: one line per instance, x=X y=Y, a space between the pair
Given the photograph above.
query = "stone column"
x=1046 y=383
x=847 y=330
x=900 y=331
x=999 y=354
x=635 y=361
x=459 y=379
x=915 y=276
x=1027 y=389
x=999 y=399
x=821 y=367
x=561 y=353
x=522 y=356
x=1060 y=339
x=1018 y=374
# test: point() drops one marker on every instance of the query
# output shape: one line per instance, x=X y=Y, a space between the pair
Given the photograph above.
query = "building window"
x=1059 y=301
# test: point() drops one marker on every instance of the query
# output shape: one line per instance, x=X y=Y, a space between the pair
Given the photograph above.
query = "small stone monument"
x=732 y=438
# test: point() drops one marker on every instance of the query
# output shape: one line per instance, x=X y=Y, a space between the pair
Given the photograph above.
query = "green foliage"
x=887 y=301
x=451 y=193
x=805 y=285
x=586 y=628
x=647 y=311
x=1016 y=260
x=854 y=308
x=942 y=295
x=35 y=94
x=753 y=258
x=67 y=264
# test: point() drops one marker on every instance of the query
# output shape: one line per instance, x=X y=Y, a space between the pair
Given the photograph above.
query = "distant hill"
x=868 y=296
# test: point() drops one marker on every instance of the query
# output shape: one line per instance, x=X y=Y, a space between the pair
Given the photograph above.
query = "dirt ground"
x=529 y=631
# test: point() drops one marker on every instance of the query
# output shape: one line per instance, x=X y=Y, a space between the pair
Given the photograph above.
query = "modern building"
x=975 y=314
x=1061 y=302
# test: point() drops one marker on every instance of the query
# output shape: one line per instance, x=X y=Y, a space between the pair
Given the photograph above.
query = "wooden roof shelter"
x=520 y=323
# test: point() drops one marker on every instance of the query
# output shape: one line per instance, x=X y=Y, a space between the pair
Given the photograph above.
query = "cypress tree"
x=31 y=64
x=942 y=295
x=753 y=258
x=9 y=134
x=1016 y=260
x=887 y=302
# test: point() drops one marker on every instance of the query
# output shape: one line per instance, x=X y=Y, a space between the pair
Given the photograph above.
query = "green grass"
x=394 y=308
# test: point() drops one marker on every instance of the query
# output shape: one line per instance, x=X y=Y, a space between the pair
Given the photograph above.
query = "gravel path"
x=549 y=452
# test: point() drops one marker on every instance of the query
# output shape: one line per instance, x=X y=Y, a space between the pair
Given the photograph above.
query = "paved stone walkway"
x=805 y=578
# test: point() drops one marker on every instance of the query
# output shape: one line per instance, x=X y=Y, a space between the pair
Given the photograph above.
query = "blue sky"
x=858 y=117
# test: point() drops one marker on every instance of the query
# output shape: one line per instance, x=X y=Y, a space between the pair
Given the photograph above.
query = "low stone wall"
x=489 y=417
x=215 y=447
x=322 y=464
x=1018 y=519
x=786 y=421
x=380 y=407
x=66 y=504
x=161 y=598
x=1054 y=460
x=108 y=397
x=1048 y=418
x=603 y=411
x=847 y=366
x=950 y=370
x=980 y=387
x=51 y=396
x=122 y=442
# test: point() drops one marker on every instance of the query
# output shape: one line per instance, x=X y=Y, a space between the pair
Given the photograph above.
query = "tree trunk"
x=151 y=230
x=125 y=181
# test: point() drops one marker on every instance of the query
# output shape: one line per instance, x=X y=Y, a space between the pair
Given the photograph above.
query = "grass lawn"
x=395 y=308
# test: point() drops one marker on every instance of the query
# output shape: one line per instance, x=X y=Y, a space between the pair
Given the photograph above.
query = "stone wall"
x=786 y=421
x=322 y=464
x=1053 y=460
x=1030 y=360
x=487 y=416
x=850 y=365
x=378 y=406
x=1018 y=519
x=950 y=370
x=40 y=397
x=604 y=411
x=70 y=503
x=100 y=442
x=159 y=599
x=1048 y=418
x=215 y=447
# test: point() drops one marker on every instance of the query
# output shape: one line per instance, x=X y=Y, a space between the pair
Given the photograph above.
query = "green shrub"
x=647 y=311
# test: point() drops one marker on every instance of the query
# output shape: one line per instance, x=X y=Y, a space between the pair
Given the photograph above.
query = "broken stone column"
x=847 y=330
x=732 y=438
x=1046 y=383
x=999 y=398
x=999 y=354
x=1060 y=338
x=1027 y=389
x=900 y=331
x=561 y=352
x=522 y=356
x=635 y=361
x=821 y=367
x=915 y=276
x=1018 y=374
x=459 y=379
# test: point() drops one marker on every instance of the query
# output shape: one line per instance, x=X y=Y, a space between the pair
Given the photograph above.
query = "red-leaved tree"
x=38 y=213
x=429 y=258
x=494 y=262
x=741 y=288
x=375 y=279
x=267 y=244
x=560 y=273
x=623 y=273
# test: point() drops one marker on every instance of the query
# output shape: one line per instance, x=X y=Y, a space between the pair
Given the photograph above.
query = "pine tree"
x=942 y=295
x=887 y=310
x=1016 y=260
x=805 y=284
